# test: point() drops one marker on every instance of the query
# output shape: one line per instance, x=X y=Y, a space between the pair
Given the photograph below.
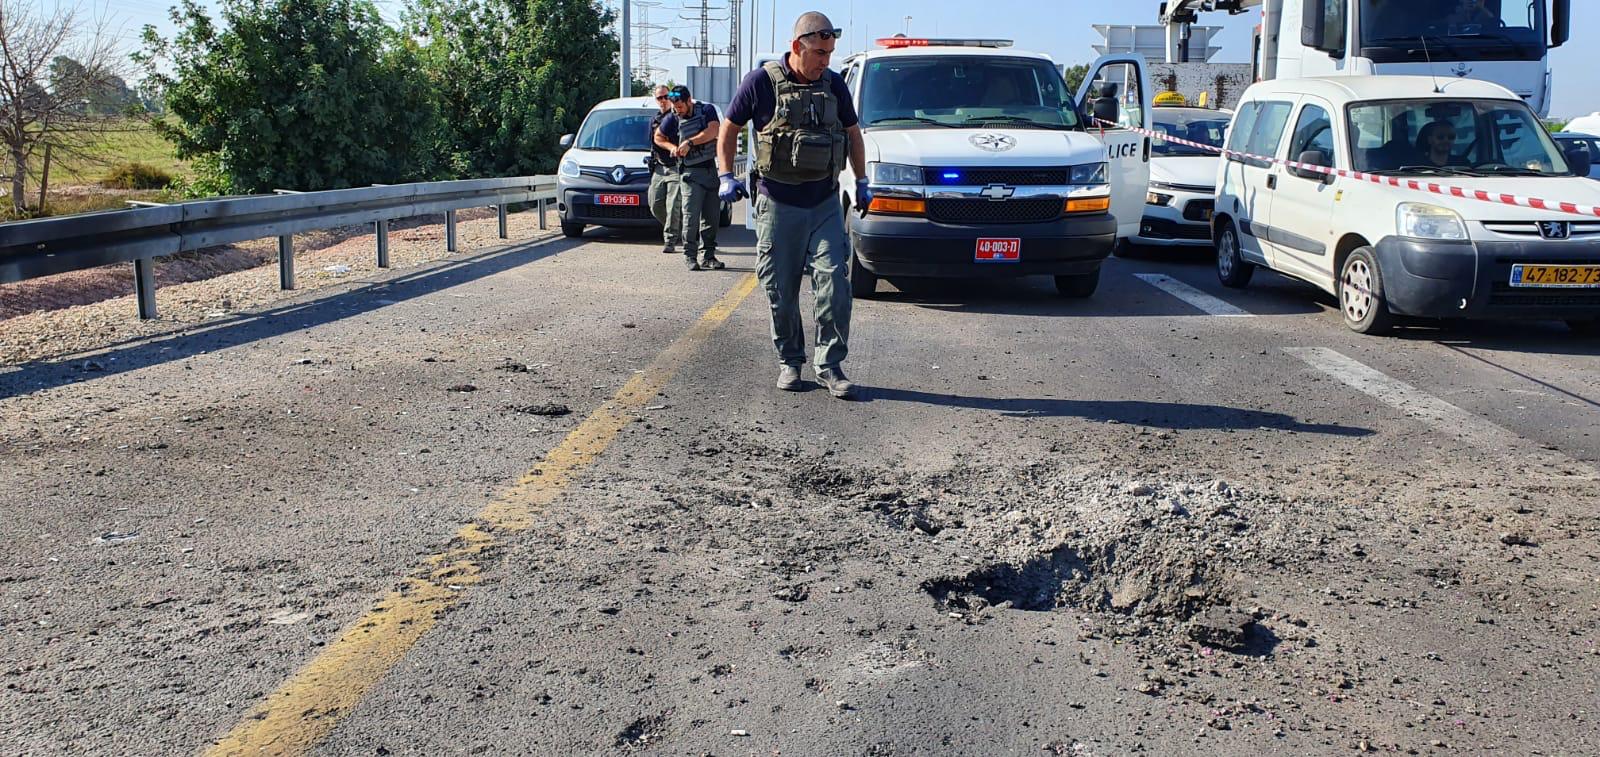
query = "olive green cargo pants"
x=666 y=203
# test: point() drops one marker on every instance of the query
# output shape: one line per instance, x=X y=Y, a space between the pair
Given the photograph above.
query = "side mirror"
x=1106 y=109
x=1560 y=22
x=566 y=140
x=1313 y=24
x=1313 y=158
x=1579 y=160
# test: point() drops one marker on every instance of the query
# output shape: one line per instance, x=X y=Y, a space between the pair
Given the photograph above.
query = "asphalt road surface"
x=1171 y=519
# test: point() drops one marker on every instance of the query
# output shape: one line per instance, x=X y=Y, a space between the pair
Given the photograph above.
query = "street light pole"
x=625 y=86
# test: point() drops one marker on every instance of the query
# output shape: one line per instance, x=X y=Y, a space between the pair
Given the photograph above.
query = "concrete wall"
x=1225 y=82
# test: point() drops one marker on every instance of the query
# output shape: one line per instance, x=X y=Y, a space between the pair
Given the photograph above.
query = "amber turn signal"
x=1088 y=204
x=898 y=206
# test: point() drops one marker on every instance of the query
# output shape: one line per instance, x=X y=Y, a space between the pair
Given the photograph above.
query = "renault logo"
x=618 y=174
x=998 y=192
x=1555 y=229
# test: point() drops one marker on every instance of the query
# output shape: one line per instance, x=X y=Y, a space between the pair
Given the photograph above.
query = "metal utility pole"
x=625 y=85
x=645 y=33
x=733 y=33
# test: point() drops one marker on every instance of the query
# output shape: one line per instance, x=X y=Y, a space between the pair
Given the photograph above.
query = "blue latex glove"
x=732 y=189
x=863 y=195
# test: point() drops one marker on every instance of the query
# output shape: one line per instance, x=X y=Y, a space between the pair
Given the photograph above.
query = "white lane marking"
x=1442 y=416
x=1205 y=302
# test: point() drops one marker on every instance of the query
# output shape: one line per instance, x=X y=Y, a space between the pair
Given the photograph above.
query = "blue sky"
x=1061 y=28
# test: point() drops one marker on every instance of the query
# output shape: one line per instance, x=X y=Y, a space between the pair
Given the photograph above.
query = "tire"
x=571 y=229
x=1078 y=286
x=1361 y=299
x=725 y=218
x=1232 y=269
x=1124 y=248
x=1589 y=328
x=863 y=283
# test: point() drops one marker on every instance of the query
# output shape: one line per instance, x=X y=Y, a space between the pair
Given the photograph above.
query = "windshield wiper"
x=1015 y=120
x=912 y=119
x=1440 y=170
x=1514 y=171
x=1419 y=43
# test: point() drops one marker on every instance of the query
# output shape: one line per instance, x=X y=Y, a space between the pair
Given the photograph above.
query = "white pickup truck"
x=982 y=165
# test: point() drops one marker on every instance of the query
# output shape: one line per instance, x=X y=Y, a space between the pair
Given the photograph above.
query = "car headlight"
x=1423 y=221
x=894 y=173
x=1156 y=198
x=1089 y=173
x=569 y=168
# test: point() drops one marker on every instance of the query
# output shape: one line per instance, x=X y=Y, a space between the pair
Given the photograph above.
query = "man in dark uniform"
x=690 y=130
x=666 y=197
x=806 y=127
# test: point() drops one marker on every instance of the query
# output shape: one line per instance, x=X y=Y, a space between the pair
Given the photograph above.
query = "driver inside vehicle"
x=1472 y=13
x=1436 y=145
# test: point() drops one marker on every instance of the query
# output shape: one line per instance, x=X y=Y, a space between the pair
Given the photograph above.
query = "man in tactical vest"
x=806 y=127
x=690 y=131
x=666 y=196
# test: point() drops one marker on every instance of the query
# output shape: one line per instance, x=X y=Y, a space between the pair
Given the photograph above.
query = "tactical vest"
x=804 y=141
x=664 y=157
x=688 y=128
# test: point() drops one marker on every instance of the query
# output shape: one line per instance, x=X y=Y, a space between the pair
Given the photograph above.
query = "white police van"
x=982 y=165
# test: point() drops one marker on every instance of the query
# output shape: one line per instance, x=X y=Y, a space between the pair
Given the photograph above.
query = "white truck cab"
x=982 y=164
x=1418 y=241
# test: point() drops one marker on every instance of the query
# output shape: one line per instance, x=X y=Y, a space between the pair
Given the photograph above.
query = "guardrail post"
x=286 y=262
x=144 y=286
x=383 y=243
x=542 y=223
x=500 y=210
x=449 y=231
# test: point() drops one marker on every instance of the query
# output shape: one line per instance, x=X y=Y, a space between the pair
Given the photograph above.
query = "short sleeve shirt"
x=669 y=124
x=755 y=102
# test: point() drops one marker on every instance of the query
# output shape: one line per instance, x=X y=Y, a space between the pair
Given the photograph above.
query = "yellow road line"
x=311 y=703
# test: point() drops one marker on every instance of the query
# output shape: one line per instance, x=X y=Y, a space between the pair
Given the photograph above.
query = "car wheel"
x=1078 y=286
x=1361 y=300
x=1125 y=248
x=1232 y=269
x=571 y=229
x=1585 y=328
x=725 y=219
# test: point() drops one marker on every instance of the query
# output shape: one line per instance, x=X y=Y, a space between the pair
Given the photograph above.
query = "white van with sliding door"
x=1419 y=242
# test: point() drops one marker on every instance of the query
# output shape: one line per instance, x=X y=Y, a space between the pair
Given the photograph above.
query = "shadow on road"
x=1170 y=415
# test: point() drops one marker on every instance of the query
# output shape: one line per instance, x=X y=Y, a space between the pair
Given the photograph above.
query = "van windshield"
x=950 y=91
x=1452 y=30
x=616 y=130
x=1463 y=137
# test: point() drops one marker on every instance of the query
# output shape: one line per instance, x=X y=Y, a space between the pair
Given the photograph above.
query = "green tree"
x=293 y=94
x=512 y=76
x=1074 y=76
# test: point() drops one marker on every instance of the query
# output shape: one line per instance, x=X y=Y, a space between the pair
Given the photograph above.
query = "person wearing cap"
x=666 y=196
x=690 y=132
x=806 y=128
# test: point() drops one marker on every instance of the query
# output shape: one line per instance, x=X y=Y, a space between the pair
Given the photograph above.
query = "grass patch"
x=136 y=176
x=129 y=141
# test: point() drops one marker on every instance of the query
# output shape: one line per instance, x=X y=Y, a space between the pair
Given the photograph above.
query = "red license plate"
x=999 y=251
x=616 y=199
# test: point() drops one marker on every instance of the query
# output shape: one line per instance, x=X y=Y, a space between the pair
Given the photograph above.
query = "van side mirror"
x=566 y=140
x=1579 y=161
x=1314 y=158
x=1560 y=22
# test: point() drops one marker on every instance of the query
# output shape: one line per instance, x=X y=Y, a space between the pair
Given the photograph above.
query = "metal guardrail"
x=30 y=249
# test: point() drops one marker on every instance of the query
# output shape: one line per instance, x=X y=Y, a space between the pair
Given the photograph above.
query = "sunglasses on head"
x=674 y=97
x=824 y=34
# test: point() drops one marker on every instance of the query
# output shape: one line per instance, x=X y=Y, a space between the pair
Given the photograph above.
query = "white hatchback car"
x=1388 y=249
x=1183 y=179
